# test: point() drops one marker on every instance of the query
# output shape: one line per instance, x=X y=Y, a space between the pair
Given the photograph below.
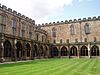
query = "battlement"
x=15 y=13
x=71 y=21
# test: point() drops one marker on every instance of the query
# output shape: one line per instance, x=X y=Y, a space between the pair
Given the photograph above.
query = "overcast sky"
x=43 y=11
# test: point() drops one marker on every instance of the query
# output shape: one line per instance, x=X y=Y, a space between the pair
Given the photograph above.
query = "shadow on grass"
x=24 y=63
x=16 y=64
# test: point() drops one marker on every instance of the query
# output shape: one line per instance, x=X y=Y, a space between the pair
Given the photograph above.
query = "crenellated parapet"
x=15 y=13
x=71 y=21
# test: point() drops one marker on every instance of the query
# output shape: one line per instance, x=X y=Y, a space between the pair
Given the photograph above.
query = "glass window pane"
x=0 y=28
x=72 y=31
x=14 y=23
x=87 y=29
x=0 y=18
x=53 y=32
x=4 y=19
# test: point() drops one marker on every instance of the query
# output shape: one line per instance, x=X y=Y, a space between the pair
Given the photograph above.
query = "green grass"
x=56 y=66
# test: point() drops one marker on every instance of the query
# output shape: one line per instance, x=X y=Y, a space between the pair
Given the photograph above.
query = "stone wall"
x=63 y=30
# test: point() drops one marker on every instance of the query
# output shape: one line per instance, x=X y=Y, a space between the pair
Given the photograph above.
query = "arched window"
x=72 y=30
x=87 y=28
x=2 y=23
x=14 y=26
x=30 y=31
x=28 y=49
x=22 y=29
x=53 y=32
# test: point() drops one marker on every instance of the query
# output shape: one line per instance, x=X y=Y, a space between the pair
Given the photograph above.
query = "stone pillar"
x=48 y=50
x=69 y=51
x=14 y=50
x=89 y=53
x=59 y=52
x=32 y=51
x=2 y=48
x=78 y=51
x=2 y=52
x=25 y=53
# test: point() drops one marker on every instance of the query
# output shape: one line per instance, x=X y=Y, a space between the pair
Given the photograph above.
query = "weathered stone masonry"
x=22 y=39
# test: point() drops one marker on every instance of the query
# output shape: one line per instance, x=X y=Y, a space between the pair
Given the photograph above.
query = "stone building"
x=74 y=38
x=22 y=39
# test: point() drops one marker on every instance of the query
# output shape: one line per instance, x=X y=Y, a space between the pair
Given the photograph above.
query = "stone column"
x=59 y=52
x=47 y=52
x=69 y=51
x=14 y=49
x=2 y=52
x=78 y=51
x=24 y=48
x=89 y=52
x=32 y=51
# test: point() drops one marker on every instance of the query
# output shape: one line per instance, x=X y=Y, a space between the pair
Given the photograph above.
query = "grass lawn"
x=56 y=66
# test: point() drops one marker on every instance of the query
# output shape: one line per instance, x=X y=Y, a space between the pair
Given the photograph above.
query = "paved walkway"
x=15 y=61
x=20 y=61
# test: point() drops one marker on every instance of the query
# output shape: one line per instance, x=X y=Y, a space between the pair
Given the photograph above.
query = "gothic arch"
x=19 y=50
x=73 y=51
x=64 y=51
x=36 y=53
x=94 y=51
x=41 y=50
x=84 y=51
x=46 y=50
x=28 y=48
x=54 y=51
x=7 y=49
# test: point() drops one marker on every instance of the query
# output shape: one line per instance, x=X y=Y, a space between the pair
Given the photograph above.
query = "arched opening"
x=19 y=51
x=41 y=51
x=46 y=51
x=7 y=49
x=28 y=48
x=36 y=50
x=63 y=51
x=54 y=51
x=73 y=51
x=95 y=51
x=84 y=51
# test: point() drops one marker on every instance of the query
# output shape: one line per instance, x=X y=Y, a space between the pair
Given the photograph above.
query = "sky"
x=45 y=11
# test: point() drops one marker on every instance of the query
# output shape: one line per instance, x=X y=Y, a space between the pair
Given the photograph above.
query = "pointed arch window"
x=22 y=29
x=53 y=32
x=87 y=28
x=72 y=30
x=14 y=26
x=30 y=31
x=2 y=23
